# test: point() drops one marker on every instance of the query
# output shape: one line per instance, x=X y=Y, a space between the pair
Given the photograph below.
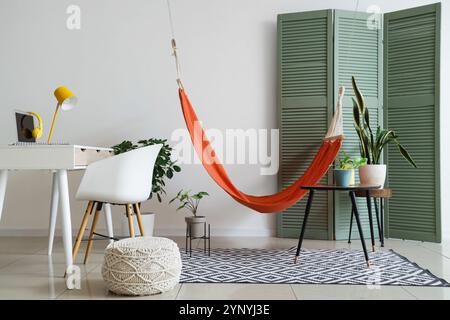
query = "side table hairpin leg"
x=358 y=223
x=351 y=227
x=377 y=213
x=382 y=220
x=369 y=211
x=305 y=219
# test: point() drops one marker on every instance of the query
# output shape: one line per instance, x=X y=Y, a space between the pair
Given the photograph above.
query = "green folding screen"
x=357 y=52
x=411 y=88
x=305 y=94
x=397 y=70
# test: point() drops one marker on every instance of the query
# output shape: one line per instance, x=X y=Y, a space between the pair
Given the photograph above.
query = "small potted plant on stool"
x=344 y=176
x=190 y=202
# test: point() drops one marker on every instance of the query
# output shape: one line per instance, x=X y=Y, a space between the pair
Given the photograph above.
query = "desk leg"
x=369 y=211
x=53 y=212
x=358 y=222
x=3 y=183
x=305 y=219
x=65 y=218
x=109 y=223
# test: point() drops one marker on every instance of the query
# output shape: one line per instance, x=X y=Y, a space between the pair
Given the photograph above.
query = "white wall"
x=119 y=65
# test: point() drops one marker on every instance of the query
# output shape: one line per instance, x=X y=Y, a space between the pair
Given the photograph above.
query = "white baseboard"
x=215 y=232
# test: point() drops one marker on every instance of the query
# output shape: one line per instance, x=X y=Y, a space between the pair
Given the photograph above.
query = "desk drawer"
x=84 y=157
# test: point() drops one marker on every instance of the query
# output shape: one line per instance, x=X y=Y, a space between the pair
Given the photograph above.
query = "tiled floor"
x=26 y=272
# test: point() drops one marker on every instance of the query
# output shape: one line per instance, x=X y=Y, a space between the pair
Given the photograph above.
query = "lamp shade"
x=66 y=99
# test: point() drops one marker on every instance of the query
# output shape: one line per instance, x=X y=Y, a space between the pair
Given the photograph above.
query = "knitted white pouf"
x=141 y=266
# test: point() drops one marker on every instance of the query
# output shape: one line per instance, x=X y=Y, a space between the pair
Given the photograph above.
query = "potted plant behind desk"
x=190 y=202
x=372 y=143
x=164 y=169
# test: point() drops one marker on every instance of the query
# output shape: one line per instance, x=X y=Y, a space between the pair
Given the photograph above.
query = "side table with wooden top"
x=352 y=190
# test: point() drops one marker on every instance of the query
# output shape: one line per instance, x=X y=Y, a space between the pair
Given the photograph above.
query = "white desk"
x=59 y=159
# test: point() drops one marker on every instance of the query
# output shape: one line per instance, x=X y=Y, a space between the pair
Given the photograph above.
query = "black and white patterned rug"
x=336 y=266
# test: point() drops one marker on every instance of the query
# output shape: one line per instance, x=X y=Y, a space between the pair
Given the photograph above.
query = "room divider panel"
x=305 y=96
x=411 y=87
x=358 y=52
x=320 y=51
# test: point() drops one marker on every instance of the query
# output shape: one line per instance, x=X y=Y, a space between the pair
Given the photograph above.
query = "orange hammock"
x=278 y=201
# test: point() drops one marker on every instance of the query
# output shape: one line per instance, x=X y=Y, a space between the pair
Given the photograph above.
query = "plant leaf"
x=356 y=115
x=363 y=151
x=405 y=154
x=358 y=95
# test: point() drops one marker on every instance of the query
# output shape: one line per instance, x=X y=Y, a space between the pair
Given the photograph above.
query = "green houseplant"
x=190 y=202
x=372 y=143
x=344 y=174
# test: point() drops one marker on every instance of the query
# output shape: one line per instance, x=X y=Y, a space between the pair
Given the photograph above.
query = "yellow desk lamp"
x=66 y=101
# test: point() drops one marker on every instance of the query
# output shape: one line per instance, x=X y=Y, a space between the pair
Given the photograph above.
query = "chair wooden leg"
x=137 y=210
x=91 y=234
x=83 y=225
x=130 y=220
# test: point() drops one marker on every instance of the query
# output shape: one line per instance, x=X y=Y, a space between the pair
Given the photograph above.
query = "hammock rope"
x=274 y=203
x=173 y=42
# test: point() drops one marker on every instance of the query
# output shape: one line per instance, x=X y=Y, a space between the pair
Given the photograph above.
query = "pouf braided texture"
x=141 y=266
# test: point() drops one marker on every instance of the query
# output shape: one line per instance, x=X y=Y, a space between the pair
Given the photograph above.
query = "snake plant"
x=372 y=144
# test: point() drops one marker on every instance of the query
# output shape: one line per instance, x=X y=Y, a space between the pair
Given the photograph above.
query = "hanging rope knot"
x=180 y=84
x=174 y=46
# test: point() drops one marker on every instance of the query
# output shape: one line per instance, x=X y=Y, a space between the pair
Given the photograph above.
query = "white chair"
x=125 y=179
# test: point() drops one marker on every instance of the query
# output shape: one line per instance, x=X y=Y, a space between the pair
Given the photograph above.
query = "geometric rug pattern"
x=324 y=266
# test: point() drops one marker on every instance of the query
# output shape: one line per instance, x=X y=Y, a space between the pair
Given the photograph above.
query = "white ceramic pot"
x=148 y=220
x=196 y=226
x=373 y=174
